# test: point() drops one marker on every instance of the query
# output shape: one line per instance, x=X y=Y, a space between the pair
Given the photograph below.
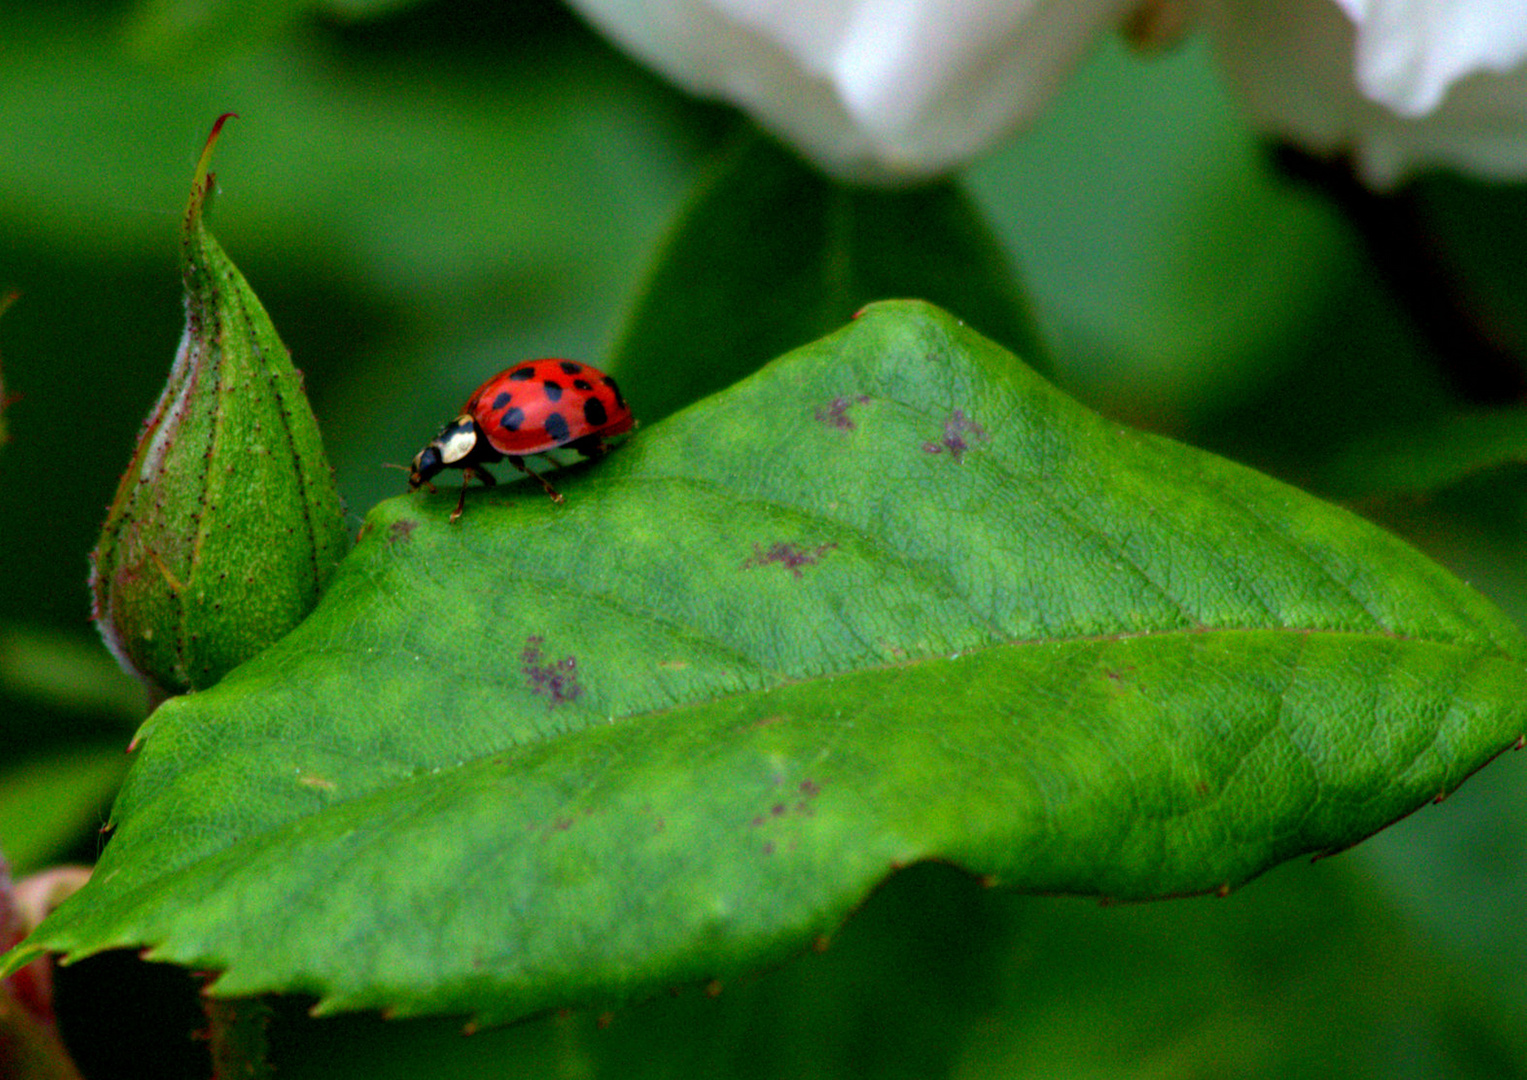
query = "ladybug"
x=530 y=408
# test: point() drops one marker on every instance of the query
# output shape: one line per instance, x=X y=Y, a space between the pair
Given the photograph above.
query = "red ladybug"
x=530 y=408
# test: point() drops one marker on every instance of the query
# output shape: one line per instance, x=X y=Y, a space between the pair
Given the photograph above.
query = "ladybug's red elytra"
x=530 y=408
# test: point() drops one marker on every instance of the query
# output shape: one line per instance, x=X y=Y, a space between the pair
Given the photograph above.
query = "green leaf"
x=1428 y=456
x=771 y=254
x=892 y=599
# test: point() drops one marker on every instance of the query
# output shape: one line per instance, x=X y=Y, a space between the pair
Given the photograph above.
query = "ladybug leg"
x=467 y=475
x=590 y=446
x=519 y=463
x=461 y=502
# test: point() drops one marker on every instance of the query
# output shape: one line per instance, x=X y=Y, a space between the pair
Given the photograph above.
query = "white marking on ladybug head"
x=456 y=440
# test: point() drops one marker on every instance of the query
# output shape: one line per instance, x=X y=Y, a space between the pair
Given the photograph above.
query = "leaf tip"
x=201 y=182
x=206 y=153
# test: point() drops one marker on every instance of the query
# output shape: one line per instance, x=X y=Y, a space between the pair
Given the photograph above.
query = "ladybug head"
x=452 y=447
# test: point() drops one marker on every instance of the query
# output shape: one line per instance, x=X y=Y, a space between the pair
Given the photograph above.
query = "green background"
x=421 y=194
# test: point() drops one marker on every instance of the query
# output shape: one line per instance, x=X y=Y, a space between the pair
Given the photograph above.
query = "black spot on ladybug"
x=556 y=427
x=582 y=384
x=513 y=419
x=502 y=400
x=520 y=374
x=570 y=368
x=593 y=412
x=615 y=390
x=553 y=390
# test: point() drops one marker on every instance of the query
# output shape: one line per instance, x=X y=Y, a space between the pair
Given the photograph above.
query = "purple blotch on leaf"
x=557 y=680
x=835 y=412
x=791 y=556
x=955 y=429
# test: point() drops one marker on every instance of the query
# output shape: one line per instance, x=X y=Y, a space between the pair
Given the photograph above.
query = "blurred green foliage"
x=421 y=193
x=770 y=254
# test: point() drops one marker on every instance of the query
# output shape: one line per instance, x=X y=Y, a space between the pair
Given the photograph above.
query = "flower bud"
x=227 y=524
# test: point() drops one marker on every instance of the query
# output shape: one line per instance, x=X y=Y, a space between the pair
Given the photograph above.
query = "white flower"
x=1401 y=83
x=868 y=88
x=912 y=88
x=1409 y=52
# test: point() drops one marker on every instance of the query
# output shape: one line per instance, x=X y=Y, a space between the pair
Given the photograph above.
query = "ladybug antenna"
x=391 y=465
